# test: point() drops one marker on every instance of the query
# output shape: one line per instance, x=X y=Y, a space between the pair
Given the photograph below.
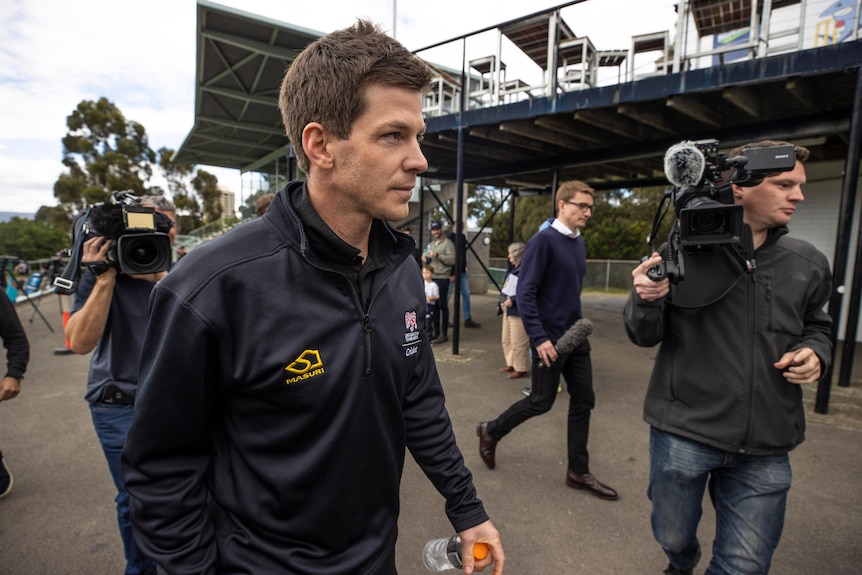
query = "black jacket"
x=273 y=409
x=713 y=379
x=14 y=339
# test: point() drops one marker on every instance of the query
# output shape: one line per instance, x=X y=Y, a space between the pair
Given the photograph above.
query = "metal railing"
x=602 y=275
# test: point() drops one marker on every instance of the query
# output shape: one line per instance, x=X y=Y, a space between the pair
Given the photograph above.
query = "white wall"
x=816 y=220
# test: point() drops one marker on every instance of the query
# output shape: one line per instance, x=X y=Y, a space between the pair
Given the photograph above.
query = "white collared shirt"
x=564 y=229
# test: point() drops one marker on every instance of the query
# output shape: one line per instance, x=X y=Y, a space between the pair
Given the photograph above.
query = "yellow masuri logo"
x=307 y=365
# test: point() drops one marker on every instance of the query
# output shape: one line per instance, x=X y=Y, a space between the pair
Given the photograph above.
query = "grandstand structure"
x=540 y=99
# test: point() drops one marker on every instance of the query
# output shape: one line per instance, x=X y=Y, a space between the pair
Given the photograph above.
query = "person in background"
x=465 y=278
x=432 y=308
x=284 y=373
x=17 y=357
x=440 y=255
x=516 y=343
x=262 y=204
x=417 y=253
x=549 y=299
x=107 y=318
x=724 y=413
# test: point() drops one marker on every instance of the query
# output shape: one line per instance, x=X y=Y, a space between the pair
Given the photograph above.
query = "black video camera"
x=139 y=234
x=703 y=200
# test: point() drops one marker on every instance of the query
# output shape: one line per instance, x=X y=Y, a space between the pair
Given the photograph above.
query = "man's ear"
x=738 y=192
x=315 y=140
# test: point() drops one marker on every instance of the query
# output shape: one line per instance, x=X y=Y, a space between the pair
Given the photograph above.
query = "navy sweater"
x=549 y=285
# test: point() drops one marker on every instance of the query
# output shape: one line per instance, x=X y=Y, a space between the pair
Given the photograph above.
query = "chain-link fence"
x=602 y=275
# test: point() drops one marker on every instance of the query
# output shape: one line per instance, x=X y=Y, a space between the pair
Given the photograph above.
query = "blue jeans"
x=465 y=295
x=112 y=423
x=748 y=492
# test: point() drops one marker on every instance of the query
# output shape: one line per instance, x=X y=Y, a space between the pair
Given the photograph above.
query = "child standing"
x=432 y=295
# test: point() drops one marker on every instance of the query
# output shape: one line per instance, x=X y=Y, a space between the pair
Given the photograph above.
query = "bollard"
x=65 y=308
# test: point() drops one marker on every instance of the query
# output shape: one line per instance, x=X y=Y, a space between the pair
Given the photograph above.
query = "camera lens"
x=144 y=253
x=708 y=222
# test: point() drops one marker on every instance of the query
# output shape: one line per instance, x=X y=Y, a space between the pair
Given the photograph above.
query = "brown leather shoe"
x=507 y=368
x=591 y=484
x=487 y=445
x=516 y=374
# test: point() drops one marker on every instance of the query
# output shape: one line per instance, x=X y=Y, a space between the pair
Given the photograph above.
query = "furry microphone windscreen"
x=684 y=164
x=574 y=336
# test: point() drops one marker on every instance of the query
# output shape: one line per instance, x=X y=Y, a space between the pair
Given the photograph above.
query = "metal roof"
x=241 y=58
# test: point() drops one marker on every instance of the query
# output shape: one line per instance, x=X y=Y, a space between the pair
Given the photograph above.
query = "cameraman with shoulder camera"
x=724 y=400
x=108 y=317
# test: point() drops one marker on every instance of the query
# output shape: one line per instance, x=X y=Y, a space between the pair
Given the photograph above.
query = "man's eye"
x=394 y=135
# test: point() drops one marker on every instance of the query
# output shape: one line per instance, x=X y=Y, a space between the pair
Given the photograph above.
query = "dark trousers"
x=577 y=370
x=443 y=284
x=432 y=319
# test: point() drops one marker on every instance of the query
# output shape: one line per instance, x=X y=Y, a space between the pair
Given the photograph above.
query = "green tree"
x=190 y=215
x=103 y=152
x=621 y=223
x=206 y=185
x=30 y=240
x=618 y=228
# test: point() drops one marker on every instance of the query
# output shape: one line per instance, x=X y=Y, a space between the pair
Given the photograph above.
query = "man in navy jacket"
x=549 y=299
x=285 y=369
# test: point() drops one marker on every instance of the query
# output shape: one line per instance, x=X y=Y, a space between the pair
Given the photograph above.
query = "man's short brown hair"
x=326 y=83
x=567 y=190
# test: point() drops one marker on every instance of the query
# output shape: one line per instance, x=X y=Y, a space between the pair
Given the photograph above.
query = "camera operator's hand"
x=801 y=366
x=646 y=288
x=96 y=252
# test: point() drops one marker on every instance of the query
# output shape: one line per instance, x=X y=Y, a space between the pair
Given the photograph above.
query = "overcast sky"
x=141 y=56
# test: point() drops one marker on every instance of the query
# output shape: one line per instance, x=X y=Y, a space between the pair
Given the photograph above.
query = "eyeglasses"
x=582 y=207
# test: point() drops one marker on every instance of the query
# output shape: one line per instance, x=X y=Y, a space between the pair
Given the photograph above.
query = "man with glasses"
x=549 y=299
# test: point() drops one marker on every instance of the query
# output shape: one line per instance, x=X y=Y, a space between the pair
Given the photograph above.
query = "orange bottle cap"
x=480 y=551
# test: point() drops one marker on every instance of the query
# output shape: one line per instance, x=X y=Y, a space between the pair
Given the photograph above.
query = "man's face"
x=772 y=203
x=571 y=213
x=436 y=233
x=375 y=169
x=172 y=233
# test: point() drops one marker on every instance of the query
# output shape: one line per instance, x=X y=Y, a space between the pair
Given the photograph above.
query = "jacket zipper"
x=752 y=325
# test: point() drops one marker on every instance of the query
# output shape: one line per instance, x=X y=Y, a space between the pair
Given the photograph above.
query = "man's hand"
x=9 y=388
x=800 y=366
x=646 y=288
x=547 y=352
x=96 y=250
x=483 y=533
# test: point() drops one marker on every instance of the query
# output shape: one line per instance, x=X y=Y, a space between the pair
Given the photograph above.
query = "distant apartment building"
x=227 y=199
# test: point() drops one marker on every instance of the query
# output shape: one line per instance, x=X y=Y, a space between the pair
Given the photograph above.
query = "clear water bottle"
x=445 y=553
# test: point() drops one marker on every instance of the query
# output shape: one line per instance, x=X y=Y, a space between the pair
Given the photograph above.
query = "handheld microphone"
x=573 y=337
x=684 y=164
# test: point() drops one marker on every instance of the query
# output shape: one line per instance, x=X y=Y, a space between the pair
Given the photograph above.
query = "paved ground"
x=59 y=518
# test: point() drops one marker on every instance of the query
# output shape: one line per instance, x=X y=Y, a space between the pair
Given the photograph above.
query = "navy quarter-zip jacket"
x=275 y=405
